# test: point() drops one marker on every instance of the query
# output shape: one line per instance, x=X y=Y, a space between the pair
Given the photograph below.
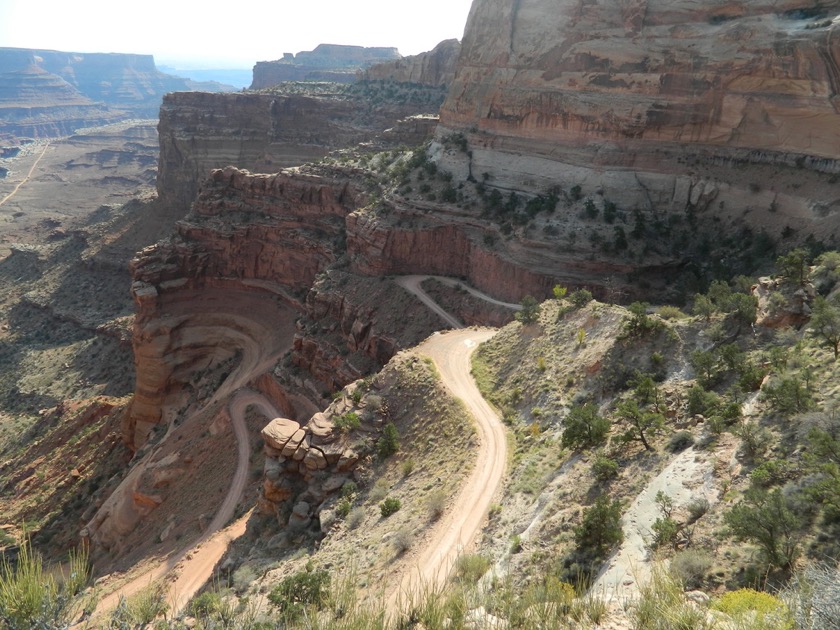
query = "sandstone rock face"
x=222 y=291
x=262 y=133
x=328 y=62
x=630 y=95
x=436 y=67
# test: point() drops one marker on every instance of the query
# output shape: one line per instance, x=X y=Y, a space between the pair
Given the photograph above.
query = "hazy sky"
x=234 y=33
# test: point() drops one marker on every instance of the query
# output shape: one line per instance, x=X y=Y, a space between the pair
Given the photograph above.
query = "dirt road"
x=459 y=527
x=194 y=565
x=457 y=530
x=25 y=179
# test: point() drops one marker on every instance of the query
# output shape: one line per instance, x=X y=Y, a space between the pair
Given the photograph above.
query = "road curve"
x=195 y=564
x=451 y=352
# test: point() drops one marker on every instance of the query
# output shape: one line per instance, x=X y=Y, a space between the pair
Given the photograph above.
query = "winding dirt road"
x=457 y=530
x=194 y=565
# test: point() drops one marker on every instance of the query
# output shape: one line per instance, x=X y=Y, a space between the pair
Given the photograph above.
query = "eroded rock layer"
x=237 y=268
x=262 y=133
x=435 y=67
x=595 y=92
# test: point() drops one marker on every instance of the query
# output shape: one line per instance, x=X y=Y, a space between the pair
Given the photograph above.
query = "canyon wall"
x=264 y=133
x=604 y=93
x=47 y=93
x=435 y=67
x=228 y=286
x=328 y=62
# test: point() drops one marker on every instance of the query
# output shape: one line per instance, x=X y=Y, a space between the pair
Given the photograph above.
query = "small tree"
x=530 y=312
x=703 y=307
x=559 y=292
x=601 y=529
x=794 y=265
x=641 y=423
x=647 y=391
x=580 y=298
x=766 y=519
x=584 y=427
x=389 y=442
x=825 y=323
x=638 y=322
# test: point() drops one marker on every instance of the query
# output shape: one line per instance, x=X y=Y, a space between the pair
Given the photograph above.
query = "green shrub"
x=530 y=311
x=670 y=312
x=294 y=593
x=348 y=421
x=600 y=529
x=702 y=402
x=583 y=427
x=389 y=442
x=205 y=605
x=604 y=468
x=680 y=441
x=580 y=298
x=766 y=519
x=788 y=395
x=389 y=506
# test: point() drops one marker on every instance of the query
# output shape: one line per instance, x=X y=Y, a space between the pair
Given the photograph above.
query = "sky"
x=231 y=34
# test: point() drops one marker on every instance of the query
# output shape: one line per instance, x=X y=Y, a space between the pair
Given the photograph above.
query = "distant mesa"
x=49 y=93
x=435 y=67
x=328 y=62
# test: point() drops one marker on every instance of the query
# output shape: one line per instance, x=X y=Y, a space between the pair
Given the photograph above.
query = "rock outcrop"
x=435 y=67
x=328 y=62
x=644 y=98
x=226 y=288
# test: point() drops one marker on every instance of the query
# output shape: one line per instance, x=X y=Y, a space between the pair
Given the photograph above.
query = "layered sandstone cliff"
x=228 y=284
x=45 y=93
x=328 y=62
x=266 y=132
x=435 y=67
x=640 y=96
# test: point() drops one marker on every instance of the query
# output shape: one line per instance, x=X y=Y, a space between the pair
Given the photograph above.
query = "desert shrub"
x=530 y=312
x=604 y=468
x=348 y=421
x=349 y=489
x=243 y=577
x=600 y=529
x=470 y=567
x=389 y=506
x=697 y=508
x=294 y=593
x=788 y=395
x=766 y=519
x=33 y=598
x=402 y=540
x=759 y=610
x=755 y=439
x=680 y=441
x=583 y=427
x=343 y=507
x=769 y=473
x=580 y=298
x=638 y=323
x=389 y=441
x=355 y=517
x=664 y=532
x=702 y=402
x=690 y=566
x=407 y=467
x=436 y=504
x=670 y=312
x=205 y=605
